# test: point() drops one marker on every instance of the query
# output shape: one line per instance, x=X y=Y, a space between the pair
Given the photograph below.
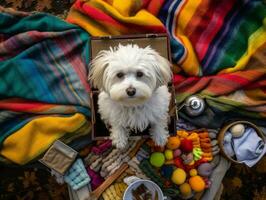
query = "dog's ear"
x=97 y=67
x=162 y=68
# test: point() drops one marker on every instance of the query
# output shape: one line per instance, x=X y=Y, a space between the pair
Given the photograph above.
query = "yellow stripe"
x=124 y=7
x=142 y=17
x=255 y=41
x=190 y=64
x=36 y=136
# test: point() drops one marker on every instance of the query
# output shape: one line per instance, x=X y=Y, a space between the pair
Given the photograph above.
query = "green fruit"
x=157 y=159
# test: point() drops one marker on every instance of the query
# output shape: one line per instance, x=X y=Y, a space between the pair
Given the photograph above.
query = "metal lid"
x=194 y=105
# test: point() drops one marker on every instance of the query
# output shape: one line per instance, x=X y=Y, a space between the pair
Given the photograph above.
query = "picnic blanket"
x=218 y=51
x=218 y=48
x=43 y=83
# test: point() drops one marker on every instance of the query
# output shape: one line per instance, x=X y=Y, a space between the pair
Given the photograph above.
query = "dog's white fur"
x=148 y=73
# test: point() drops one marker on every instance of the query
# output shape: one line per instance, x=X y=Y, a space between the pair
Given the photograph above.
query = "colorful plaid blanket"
x=43 y=83
x=218 y=48
x=218 y=51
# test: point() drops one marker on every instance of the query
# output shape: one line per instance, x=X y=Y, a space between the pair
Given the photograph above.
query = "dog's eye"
x=139 y=74
x=120 y=75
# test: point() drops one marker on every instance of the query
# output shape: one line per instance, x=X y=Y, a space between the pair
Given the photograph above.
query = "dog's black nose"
x=131 y=91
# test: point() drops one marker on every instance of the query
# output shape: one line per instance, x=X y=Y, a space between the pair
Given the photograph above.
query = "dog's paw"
x=160 y=139
x=119 y=137
x=119 y=143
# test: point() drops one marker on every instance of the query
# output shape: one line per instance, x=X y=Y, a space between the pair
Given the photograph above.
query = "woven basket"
x=228 y=126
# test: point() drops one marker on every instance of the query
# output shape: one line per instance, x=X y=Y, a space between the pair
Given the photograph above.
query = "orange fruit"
x=173 y=143
x=197 y=183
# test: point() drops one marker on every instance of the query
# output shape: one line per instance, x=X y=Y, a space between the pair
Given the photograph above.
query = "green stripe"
x=238 y=44
x=42 y=22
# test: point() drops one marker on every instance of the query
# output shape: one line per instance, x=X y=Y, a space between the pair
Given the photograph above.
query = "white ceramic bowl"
x=149 y=184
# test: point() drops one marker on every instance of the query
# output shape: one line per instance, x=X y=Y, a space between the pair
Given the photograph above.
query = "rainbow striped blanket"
x=218 y=48
x=43 y=83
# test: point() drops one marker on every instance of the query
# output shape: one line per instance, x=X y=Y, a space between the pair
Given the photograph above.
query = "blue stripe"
x=167 y=16
x=164 y=11
x=177 y=48
x=171 y=16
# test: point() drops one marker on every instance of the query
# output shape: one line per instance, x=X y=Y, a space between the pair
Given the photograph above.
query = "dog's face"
x=130 y=74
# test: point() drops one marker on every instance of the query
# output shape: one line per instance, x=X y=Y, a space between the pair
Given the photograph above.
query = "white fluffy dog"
x=133 y=91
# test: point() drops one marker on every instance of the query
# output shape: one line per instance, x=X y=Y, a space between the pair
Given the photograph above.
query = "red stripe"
x=154 y=6
x=20 y=105
x=235 y=78
x=177 y=79
x=204 y=21
x=211 y=31
x=261 y=83
x=217 y=84
x=144 y=3
x=206 y=18
x=188 y=85
x=134 y=28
